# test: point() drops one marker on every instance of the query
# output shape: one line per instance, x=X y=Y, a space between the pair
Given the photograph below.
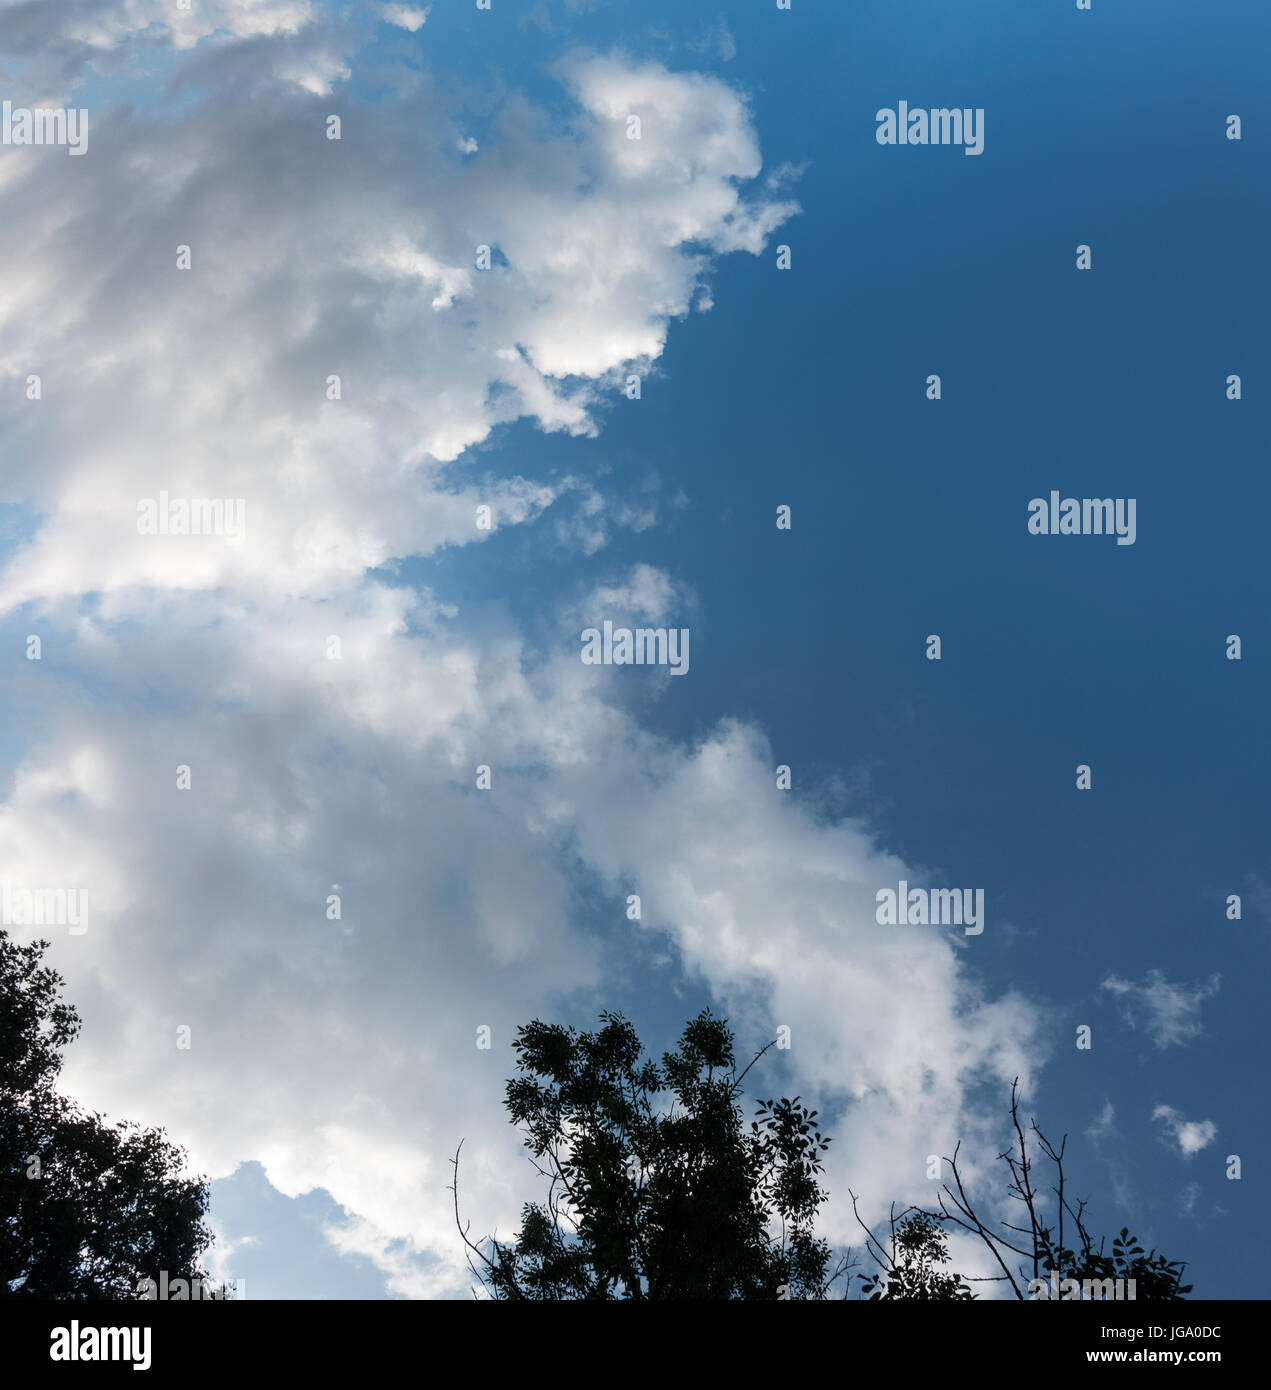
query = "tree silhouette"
x=653 y=1201
x=87 y=1209
x=912 y=1265
x=1060 y=1243
x=650 y=1198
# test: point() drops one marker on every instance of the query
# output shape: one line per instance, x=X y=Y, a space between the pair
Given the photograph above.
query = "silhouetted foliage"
x=1059 y=1244
x=656 y=1188
x=109 y=1206
x=912 y=1266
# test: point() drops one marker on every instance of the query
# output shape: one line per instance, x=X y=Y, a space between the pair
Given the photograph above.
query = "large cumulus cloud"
x=342 y=1052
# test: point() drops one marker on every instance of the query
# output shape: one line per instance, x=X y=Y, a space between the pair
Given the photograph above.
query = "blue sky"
x=803 y=387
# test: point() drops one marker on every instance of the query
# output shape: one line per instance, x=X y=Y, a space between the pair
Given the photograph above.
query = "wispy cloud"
x=1104 y=1124
x=1170 y=1013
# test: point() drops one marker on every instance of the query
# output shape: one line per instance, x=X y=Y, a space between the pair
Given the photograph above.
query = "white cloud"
x=1104 y=1124
x=342 y=1053
x=775 y=909
x=1188 y=1136
x=52 y=48
x=213 y=381
x=406 y=16
x=1169 y=1012
x=647 y=594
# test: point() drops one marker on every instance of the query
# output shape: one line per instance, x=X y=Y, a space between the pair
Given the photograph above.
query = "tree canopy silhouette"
x=656 y=1189
x=653 y=1202
x=88 y=1209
